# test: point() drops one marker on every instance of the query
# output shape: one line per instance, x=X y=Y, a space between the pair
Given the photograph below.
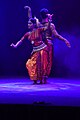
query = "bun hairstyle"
x=43 y=13
x=32 y=20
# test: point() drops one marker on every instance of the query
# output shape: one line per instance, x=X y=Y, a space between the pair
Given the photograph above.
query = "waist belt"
x=40 y=47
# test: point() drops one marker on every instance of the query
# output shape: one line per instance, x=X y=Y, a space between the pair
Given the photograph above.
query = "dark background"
x=13 y=25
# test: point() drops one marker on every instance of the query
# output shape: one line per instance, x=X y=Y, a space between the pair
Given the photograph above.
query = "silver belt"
x=40 y=47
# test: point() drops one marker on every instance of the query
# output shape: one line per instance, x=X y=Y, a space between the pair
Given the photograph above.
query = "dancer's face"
x=30 y=25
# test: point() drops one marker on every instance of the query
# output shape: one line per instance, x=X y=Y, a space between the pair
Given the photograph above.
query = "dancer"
x=48 y=35
x=38 y=63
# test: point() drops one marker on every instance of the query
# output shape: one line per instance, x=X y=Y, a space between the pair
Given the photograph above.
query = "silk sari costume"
x=37 y=65
x=48 y=37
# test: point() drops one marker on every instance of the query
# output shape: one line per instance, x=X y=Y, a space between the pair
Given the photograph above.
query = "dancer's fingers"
x=26 y=7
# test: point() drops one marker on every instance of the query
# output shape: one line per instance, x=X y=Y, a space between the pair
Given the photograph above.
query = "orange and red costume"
x=37 y=65
x=48 y=35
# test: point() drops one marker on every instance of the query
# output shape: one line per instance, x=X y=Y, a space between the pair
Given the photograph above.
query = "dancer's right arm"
x=20 y=41
x=29 y=11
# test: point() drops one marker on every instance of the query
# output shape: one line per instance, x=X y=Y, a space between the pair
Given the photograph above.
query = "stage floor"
x=57 y=92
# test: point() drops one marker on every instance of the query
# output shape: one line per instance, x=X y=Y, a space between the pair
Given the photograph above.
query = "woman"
x=38 y=63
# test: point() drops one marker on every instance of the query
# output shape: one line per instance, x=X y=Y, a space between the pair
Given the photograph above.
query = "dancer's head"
x=32 y=23
x=43 y=13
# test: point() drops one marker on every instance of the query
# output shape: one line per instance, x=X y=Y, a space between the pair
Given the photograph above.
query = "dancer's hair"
x=32 y=20
x=43 y=13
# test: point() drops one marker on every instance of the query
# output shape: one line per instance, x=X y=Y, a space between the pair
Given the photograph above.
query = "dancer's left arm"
x=55 y=33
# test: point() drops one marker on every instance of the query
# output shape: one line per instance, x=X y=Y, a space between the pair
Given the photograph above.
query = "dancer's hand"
x=37 y=21
x=67 y=43
x=13 y=45
x=50 y=17
x=36 y=18
x=27 y=7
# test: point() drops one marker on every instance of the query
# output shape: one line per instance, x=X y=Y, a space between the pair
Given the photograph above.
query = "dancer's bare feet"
x=35 y=82
x=41 y=82
x=45 y=80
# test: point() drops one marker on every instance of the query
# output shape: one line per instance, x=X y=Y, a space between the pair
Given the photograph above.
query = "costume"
x=47 y=38
x=37 y=65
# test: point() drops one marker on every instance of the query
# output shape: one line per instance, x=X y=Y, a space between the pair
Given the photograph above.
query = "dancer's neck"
x=45 y=20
